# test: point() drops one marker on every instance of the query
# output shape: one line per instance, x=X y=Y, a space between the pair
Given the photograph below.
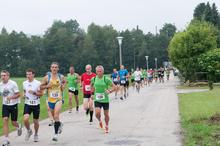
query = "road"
x=150 y=118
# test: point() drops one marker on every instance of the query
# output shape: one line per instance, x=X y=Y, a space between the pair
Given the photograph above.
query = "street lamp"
x=120 y=42
x=155 y=62
x=147 y=60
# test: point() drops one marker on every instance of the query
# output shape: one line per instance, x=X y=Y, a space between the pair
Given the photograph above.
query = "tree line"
x=68 y=44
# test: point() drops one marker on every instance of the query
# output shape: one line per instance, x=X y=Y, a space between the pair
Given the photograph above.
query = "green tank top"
x=72 y=80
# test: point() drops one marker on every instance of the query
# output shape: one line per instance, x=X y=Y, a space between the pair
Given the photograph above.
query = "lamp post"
x=147 y=60
x=155 y=62
x=120 y=54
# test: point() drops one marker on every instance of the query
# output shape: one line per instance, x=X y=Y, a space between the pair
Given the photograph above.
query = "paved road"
x=150 y=118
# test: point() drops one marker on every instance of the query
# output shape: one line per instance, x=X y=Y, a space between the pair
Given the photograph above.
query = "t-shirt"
x=122 y=74
x=137 y=75
x=72 y=81
x=9 y=89
x=114 y=77
x=100 y=86
x=31 y=99
x=86 y=79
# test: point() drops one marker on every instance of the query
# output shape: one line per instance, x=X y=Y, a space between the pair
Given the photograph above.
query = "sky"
x=36 y=16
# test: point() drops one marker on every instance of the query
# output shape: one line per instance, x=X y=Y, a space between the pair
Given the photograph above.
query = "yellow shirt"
x=55 y=92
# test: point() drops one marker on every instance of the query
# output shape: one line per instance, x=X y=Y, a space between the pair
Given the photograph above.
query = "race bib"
x=6 y=101
x=55 y=94
x=87 y=87
x=115 y=79
x=100 y=96
x=137 y=78
x=72 y=89
x=32 y=102
x=123 y=81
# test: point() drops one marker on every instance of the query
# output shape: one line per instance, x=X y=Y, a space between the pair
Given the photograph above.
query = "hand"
x=108 y=91
x=8 y=98
x=48 y=86
x=31 y=92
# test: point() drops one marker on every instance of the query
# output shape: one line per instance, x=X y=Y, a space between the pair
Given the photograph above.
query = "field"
x=43 y=110
x=200 y=117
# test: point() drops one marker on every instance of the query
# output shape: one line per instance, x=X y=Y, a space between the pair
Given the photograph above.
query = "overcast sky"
x=35 y=16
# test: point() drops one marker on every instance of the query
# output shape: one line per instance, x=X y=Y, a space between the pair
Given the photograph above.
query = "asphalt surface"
x=150 y=118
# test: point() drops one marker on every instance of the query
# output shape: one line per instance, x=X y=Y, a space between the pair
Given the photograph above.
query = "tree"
x=185 y=47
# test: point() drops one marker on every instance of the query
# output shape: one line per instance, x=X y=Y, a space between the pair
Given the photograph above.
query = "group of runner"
x=96 y=88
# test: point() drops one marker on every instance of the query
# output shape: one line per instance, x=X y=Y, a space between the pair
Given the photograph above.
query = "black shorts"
x=132 y=80
x=28 y=109
x=116 y=83
x=87 y=95
x=127 y=84
x=123 y=84
x=76 y=92
x=100 y=105
x=12 y=110
x=142 y=79
x=138 y=81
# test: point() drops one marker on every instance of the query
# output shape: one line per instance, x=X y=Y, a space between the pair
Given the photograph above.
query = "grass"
x=200 y=118
x=43 y=107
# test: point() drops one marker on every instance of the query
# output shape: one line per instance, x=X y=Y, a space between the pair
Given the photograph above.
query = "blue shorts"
x=52 y=105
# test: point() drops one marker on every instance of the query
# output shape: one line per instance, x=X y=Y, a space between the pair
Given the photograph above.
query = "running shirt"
x=137 y=75
x=72 y=81
x=114 y=77
x=31 y=99
x=86 y=79
x=144 y=74
x=100 y=86
x=9 y=89
x=122 y=74
x=54 y=92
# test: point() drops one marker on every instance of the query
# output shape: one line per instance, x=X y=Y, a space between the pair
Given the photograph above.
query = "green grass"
x=200 y=117
x=43 y=110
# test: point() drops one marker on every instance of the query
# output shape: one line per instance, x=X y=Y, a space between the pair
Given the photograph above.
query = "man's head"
x=114 y=70
x=72 y=69
x=122 y=67
x=5 y=75
x=30 y=73
x=88 y=68
x=99 y=70
x=54 y=67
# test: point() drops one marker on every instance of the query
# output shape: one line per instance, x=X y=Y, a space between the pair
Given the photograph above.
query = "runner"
x=86 y=84
x=32 y=95
x=168 y=74
x=155 y=75
x=55 y=85
x=161 y=75
x=137 y=78
x=144 y=74
x=73 y=79
x=150 y=76
x=100 y=85
x=10 y=99
x=123 y=74
x=132 y=78
x=115 y=79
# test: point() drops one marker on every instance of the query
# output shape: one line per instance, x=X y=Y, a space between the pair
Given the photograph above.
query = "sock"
x=56 y=126
x=87 y=111
x=91 y=115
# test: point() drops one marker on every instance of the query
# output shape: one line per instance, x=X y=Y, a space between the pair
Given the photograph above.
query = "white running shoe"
x=28 y=135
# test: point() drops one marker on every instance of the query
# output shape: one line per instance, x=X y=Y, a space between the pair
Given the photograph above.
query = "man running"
x=55 y=85
x=168 y=74
x=123 y=74
x=100 y=85
x=137 y=79
x=86 y=85
x=10 y=99
x=115 y=79
x=32 y=95
x=73 y=79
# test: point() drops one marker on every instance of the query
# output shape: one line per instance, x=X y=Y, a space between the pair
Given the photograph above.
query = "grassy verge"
x=43 y=110
x=200 y=117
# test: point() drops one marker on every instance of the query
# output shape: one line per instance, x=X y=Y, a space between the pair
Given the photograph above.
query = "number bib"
x=6 y=101
x=123 y=81
x=100 y=96
x=55 y=94
x=72 y=89
x=115 y=79
x=87 y=88
x=32 y=102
